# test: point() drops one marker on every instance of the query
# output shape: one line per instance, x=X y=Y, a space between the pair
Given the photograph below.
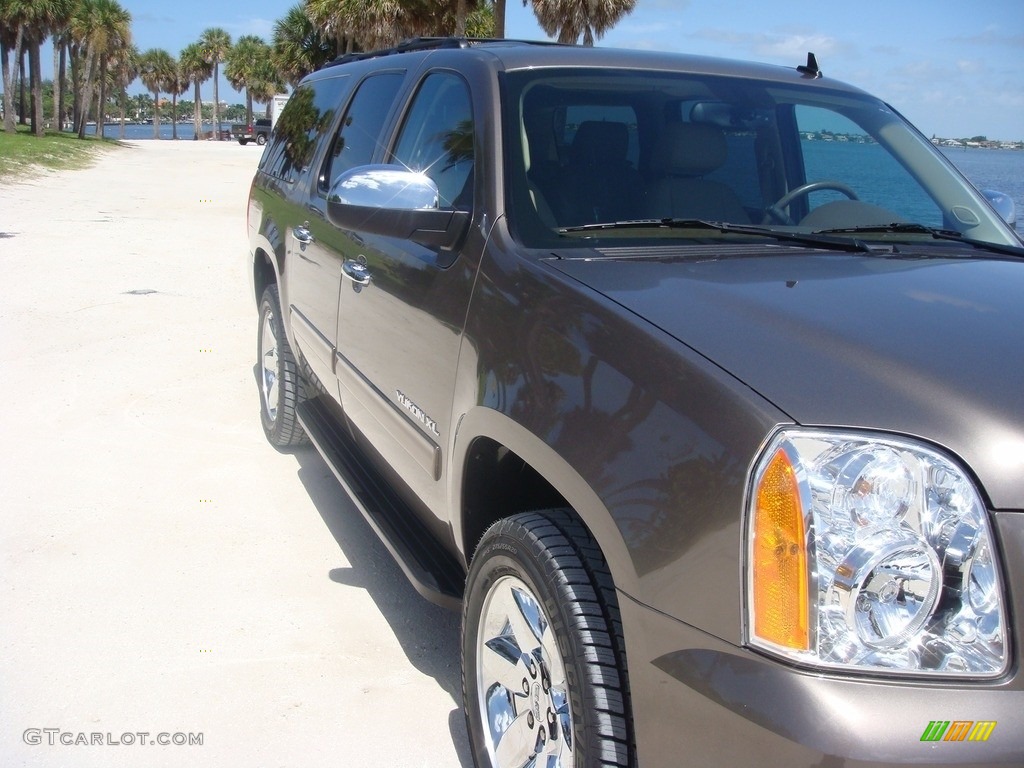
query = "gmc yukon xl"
x=697 y=385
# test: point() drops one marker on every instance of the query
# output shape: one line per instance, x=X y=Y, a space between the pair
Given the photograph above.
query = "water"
x=135 y=132
x=998 y=169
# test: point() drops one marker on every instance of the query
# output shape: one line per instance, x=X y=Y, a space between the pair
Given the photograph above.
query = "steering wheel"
x=779 y=211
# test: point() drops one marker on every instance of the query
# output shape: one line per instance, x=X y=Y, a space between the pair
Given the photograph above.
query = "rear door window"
x=307 y=116
x=361 y=130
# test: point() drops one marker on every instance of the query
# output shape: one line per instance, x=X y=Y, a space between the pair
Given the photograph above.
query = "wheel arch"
x=264 y=272
x=502 y=469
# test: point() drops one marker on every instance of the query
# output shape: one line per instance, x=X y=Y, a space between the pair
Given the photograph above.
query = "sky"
x=955 y=68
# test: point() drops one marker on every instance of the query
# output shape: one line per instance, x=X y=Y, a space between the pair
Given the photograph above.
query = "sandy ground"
x=163 y=570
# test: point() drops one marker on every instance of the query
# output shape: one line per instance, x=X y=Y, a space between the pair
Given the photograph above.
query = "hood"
x=926 y=347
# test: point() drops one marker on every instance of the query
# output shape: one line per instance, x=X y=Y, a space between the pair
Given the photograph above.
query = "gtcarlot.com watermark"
x=58 y=736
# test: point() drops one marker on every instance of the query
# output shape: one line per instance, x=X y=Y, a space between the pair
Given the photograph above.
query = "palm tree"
x=175 y=83
x=124 y=66
x=154 y=68
x=463 y=18
x=569 y=19
x=101 y=27
x=27 y=23
x=215 y=44
x=299 y=47
x=481 y=22
x=363 y=23
x=11 y=34
x=196 y=70
x=265 y=81
x=115 y=35
x=241 y=70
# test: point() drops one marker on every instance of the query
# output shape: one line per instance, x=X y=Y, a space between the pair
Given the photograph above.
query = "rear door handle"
x=356 y=271
x=303 y=235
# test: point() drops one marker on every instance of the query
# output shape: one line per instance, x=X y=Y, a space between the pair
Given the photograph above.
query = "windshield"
x=591 y=147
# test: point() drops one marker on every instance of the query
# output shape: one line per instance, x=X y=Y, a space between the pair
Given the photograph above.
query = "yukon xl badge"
x=417 y=412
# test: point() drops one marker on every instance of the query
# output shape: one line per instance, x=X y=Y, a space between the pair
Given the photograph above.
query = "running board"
x=431 y=569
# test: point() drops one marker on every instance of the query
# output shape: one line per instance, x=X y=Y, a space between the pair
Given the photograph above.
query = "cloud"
x=991 y=35
x=668 y=5
x=263 y=28
x=785 y=47
x=793 y=47
x=149 y=17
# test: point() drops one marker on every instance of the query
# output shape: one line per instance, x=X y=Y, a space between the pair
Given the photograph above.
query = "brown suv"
x=697 y=384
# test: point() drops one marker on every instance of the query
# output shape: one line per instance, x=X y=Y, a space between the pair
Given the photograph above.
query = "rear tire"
x=280 y=382
x=243 y=142
x=261 y=139
x=543 y=657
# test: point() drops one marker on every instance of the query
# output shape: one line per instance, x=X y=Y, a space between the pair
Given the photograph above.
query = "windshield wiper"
x=901 y=228
x=814 y=240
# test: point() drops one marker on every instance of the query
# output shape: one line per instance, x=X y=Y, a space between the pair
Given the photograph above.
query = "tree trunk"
x=76 y=77
x=8 y=74
x=216 y=103
x=156 y=114
x=499 y=18
x=460 y=18
x=57 y=123
x=122 y=102
x=197 y=114
x=62 y=79
x=101 y=110
x=174 y=115
x=85 y=97
x=101 y=100
x=35 y=65
x=248 y=107
x=22 y=112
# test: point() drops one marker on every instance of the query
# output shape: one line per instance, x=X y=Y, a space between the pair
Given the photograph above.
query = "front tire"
x=544 y=668
x=280 y=382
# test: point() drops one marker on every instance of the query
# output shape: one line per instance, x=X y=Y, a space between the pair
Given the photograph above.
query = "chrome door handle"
x=356 y=271
x=303 y=235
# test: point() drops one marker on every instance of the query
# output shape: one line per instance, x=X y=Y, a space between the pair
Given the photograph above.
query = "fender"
x=483 y=422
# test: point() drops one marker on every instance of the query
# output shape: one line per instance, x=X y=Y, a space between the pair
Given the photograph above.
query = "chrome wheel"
x=522 y=695
x=269 y=363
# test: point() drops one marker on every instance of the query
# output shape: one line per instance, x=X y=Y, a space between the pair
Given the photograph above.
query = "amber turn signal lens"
x=779 y=560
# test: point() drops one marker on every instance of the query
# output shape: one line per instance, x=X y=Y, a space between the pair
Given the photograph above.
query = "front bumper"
x=699 y=701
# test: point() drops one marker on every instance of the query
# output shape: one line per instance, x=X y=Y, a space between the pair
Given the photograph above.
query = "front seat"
x=601 y=184
x=686 y=154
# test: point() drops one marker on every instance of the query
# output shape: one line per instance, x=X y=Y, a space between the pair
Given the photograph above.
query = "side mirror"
x=1003 y=204
x=390 y=200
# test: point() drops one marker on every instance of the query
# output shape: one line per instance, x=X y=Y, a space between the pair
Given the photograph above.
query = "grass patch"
x=23 y=155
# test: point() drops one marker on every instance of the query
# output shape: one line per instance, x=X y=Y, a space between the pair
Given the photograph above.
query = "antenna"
x=810 y=69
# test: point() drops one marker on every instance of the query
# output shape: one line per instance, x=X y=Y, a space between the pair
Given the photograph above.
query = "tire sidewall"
x=507 y=555
x=270 y=305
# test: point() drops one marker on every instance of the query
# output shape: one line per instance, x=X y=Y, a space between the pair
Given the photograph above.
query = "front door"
x=403 y=305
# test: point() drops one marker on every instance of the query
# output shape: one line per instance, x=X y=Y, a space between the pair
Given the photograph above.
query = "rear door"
x=317 y=249
x=310 y=288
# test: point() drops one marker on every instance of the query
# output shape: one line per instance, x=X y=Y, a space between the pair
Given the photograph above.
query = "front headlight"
x=869 y=552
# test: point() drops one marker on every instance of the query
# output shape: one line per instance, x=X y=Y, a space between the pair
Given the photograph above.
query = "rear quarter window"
x=307 y=116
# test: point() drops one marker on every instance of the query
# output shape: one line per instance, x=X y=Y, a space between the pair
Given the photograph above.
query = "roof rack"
x=431 y=43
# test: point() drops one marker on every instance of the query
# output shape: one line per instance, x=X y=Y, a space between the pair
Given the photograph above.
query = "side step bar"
x=431 y=569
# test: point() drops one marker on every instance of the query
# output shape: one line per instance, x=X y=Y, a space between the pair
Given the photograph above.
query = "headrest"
x=599 y=142
x=690 y=149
